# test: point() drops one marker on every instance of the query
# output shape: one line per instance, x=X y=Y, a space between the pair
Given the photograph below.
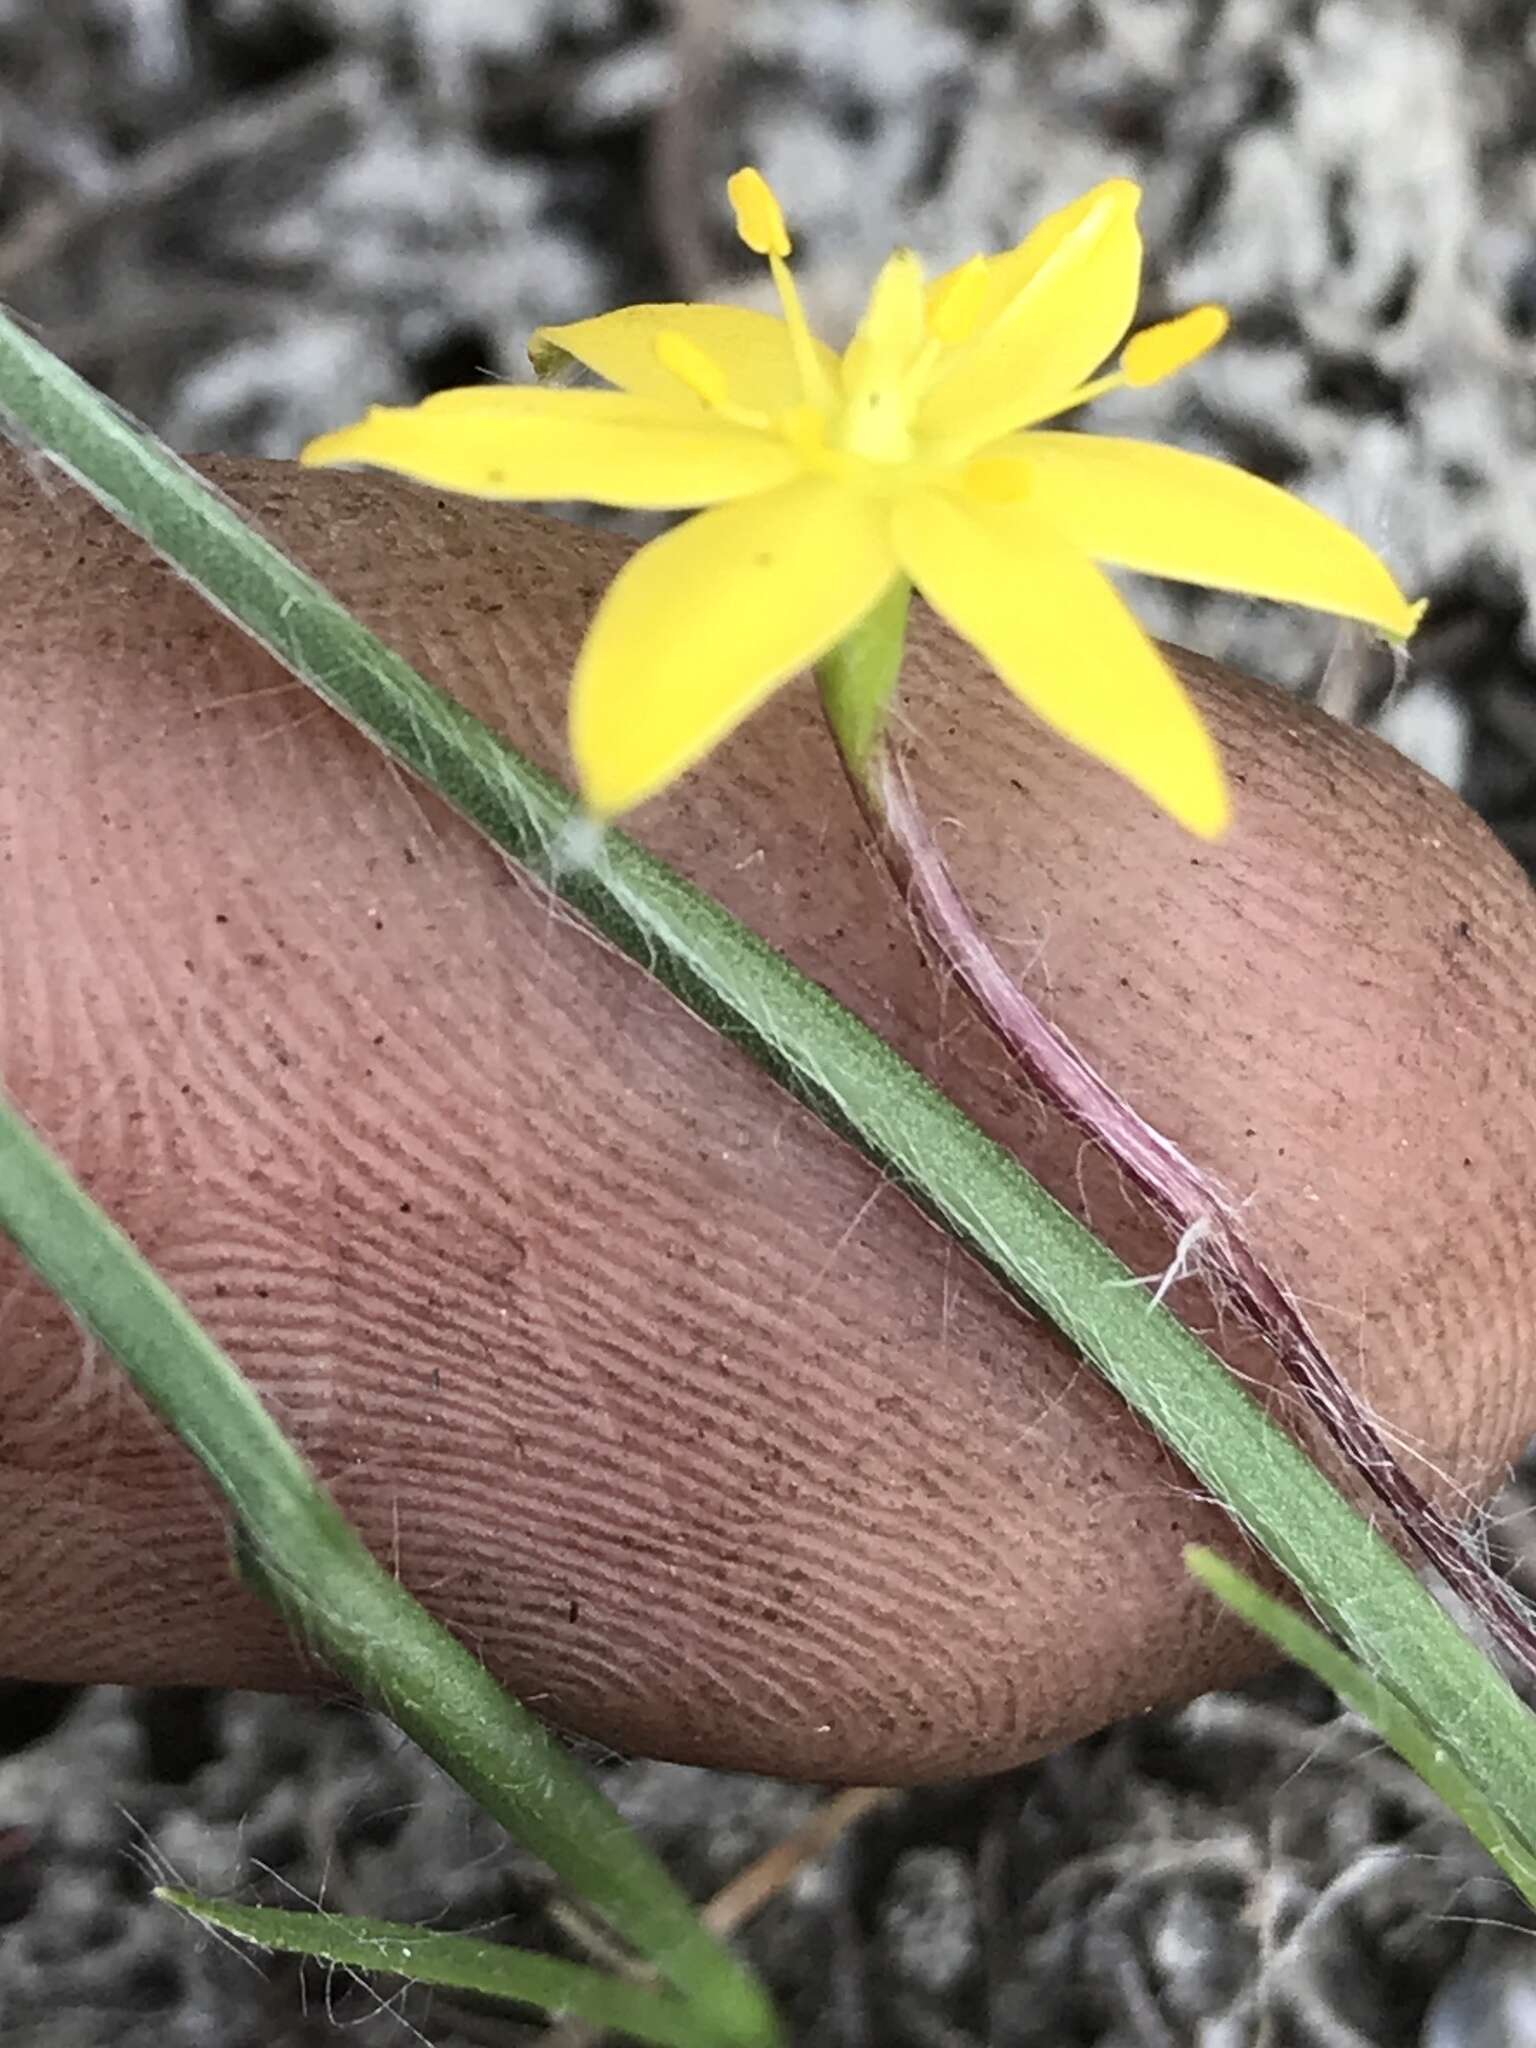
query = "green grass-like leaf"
x=298 y=1549
x=1396 y=1723
x=460 y=1961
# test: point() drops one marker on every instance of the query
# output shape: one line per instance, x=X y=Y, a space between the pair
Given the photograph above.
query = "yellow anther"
x=759 y=216
x=997 y=480
x=1157 y=352
x=700 y=372
x=956 y=302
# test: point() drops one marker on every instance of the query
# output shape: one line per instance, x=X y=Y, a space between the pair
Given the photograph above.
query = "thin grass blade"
x=462 y=1963
x=1394 y=1721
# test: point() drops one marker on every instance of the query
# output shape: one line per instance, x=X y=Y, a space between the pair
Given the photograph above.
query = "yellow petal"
x=1058 y=305
x=509 y=441
x=1169 y=513
x=702 y=626
x=1061 y=638
x=755 y=348
x=960 y=300
x=704 y=377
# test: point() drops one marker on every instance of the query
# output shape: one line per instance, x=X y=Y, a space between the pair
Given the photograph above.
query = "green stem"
x=865 y=670
x=831 y=1062
x=365 y=1624
x=858 y=679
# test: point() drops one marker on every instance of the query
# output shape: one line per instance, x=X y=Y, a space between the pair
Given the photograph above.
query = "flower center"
x=882 y=365
x=859 y=419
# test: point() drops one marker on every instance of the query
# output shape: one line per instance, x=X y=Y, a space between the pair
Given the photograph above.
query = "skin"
x=706 y=1440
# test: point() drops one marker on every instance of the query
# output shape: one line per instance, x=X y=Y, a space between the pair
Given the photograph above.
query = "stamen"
x=700 y=372
x=814 y=381
x=1160 y=351
x=760 y=224
x=1085 y=394
x=759 y=216
x=1147 y=358
x=955 y=307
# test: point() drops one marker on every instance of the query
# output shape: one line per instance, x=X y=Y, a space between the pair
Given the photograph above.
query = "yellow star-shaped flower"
x=917 y=453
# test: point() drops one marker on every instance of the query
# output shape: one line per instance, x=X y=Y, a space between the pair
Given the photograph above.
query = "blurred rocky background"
x=245 y=219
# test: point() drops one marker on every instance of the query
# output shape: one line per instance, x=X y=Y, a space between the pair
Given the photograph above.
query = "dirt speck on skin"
x=248 y=218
